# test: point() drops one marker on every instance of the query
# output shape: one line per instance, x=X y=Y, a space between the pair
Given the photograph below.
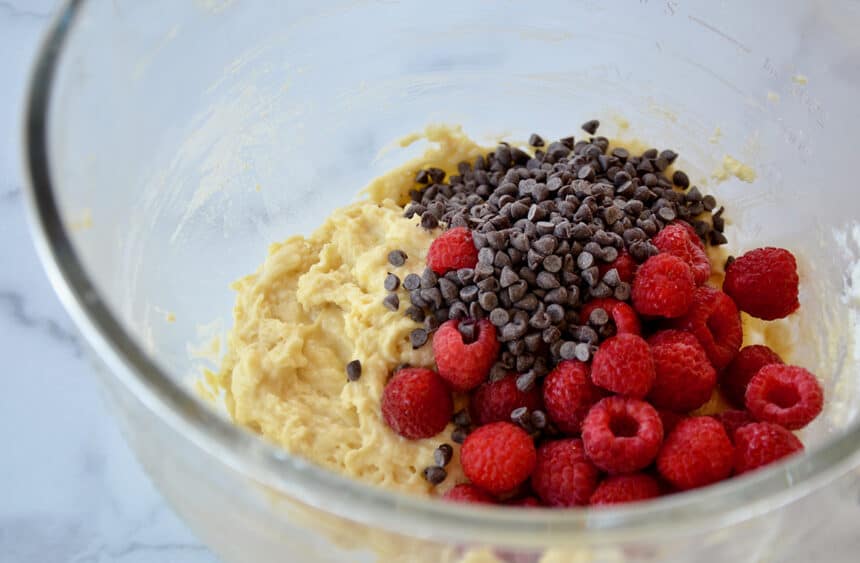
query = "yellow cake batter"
x=316 y=304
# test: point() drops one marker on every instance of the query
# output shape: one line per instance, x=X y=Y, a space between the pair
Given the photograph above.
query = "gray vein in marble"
x=13 y=306
x=16 y=12
x=133 y=548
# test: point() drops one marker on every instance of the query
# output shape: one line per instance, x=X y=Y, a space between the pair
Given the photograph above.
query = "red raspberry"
x=465 y=366
x=618 y=489
x=622 y=435
x=622 y=315
x=761 y=443
x=685 y=378
x=786 y=395
x=714 y=320
x=625 y=265
x=525 y=502
x=569 y=394
x=670 y=420
x=452 y=250
x=736 y=377
x=763 y=283
x=663 y=287
x=563 y=475
x=416 y=403
x=698 y=452
x=498 y=457
x=694 y=236
x=494 y=401
x=732 y=420
x=469 y=494
x=623 y=364
x=676 y=240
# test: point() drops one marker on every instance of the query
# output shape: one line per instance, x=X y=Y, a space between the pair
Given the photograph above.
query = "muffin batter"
x=315 y=305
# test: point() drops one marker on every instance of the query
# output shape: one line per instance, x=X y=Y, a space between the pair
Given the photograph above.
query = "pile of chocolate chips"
x=547 y=228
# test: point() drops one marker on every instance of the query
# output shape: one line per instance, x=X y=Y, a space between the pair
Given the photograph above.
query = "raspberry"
x=563 y=475
x=763 y=283
x=498 y=457
x=622 y=435
x=618 y=489
x=663 y=287
x=698 y=452
x=465 y=366
x=452 y=250
x=786 y=395
x=732 y=420
x=714 y=320
x=761 y=443
x=494 y=401
x=525 y=502
x=685 y=378
x=622 y=315
x=625 y=265
x=469 y=494
x=670 y=420
x=736 y=377
x=676 y=240
x=694 y=236
x=416 y=403
x=623 y=364
x=568 y=394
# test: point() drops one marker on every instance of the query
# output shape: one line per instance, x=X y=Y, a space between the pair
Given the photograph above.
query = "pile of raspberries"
x=613 y=423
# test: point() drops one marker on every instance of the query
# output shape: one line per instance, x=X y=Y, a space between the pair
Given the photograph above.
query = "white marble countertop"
x=70 y=489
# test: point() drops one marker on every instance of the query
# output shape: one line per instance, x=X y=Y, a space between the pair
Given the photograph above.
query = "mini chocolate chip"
x=397 y=257
x=432 y=296
x=353 y=370
x=499 y=317
x=418 y=338
x=498 y=372
x=591 y=276
x=709 y=202
x=585 y=260
x=436 y=175
x=488 y=284
x=391 y=302
x=428 y=278
x=469 y=331
x=488 y=301
x=483 y=271
x=434 y=474
x=667 y=214
x=508 y=277
x=441 y=315
x=526 y=380
x=582 y=352
x=517 y=290
x=392 y=282
x=475 y=311
x=600 y=291
x=520 y=415
x=552 y=263
x=411 y=281
x=496 y=239
x=550 y=334
x=680 y=179
x=693 y=194
x=448 y=289
x=461 y=418
x=502 y=259
x=443 y=454
x=591 y=126
x=598 y=317
x=609 y=254
x=535 y=140
x=546 y=280
x=528 y=303
x=538 y=419
x=668 y=155
x=486 y=255
x=568 y=351
x=719 y=223
x=469 y=293
x=422 y=177
x=458 y=310
x=459 y=435
x=611 y=278
x=415 y=313
x=555 y=312
x=717 y=238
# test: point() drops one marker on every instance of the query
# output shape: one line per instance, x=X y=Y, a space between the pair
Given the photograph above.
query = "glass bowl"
x=168 y=143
